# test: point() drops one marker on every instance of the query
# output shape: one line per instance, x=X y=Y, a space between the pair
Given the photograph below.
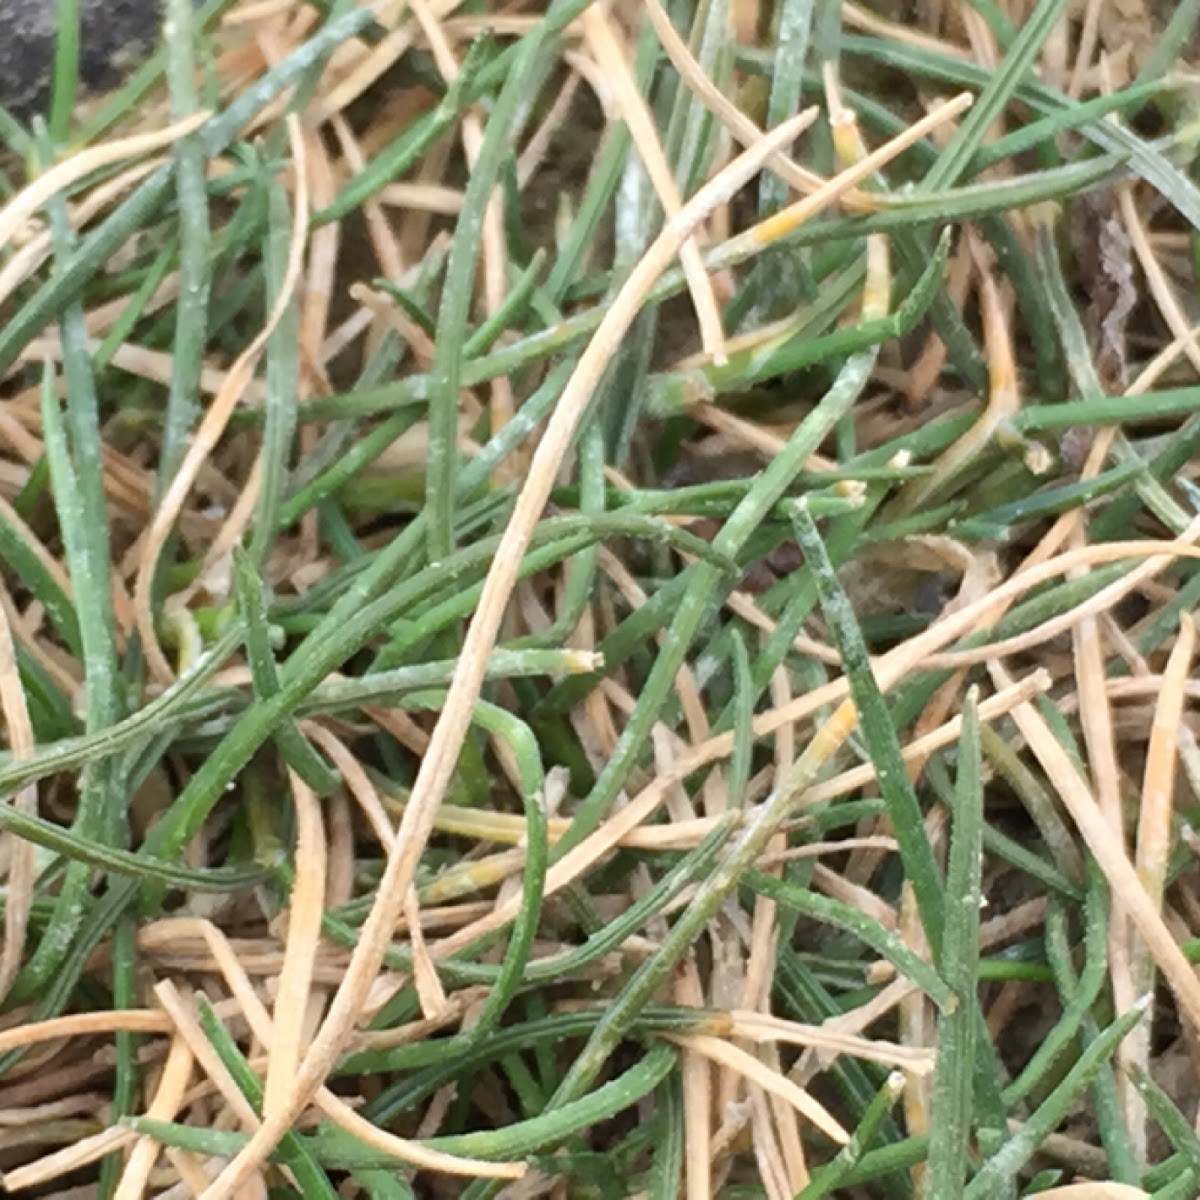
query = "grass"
x=597 y=603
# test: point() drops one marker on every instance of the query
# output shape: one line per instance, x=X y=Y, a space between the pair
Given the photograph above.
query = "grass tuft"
x=596 y=600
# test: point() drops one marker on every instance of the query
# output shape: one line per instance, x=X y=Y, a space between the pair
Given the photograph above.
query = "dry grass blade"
x=728 y=1055
x=414 y=1153
x=57 y=179
x=358 y=782
x=425 y=976
x=761 y=1027
x=1160 y=286
x=152 y=365
x=917 y=1029
x=1152 y=850
x=18 y=894
x=168 y=1096
x=305 y=908
x=1097 y=725
x=84 y=1025
x=829 y=193
x=25 y=261
x=697 y=1096
x=263 y=1028
x=1158 y=787
x=54 y=1166
x=1003 y=402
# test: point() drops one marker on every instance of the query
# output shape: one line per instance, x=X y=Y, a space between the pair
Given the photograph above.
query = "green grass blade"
x=953 y=1094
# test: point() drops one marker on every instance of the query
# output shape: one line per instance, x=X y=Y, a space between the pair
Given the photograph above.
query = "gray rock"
x=113 y=34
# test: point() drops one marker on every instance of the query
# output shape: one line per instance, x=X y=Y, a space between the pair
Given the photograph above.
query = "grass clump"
x=596 y=602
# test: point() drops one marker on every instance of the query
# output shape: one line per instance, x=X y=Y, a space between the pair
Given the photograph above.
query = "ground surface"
x=112 y=34
x=555 y=643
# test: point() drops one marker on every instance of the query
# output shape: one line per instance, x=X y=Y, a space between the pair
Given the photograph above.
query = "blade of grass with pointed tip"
x=1089 y=986
x=1001 y=1169
x=833 y=1174
x=904 y=808
x=295 y=747
x=953 y=1093
x=908 y=821
x=889 y=945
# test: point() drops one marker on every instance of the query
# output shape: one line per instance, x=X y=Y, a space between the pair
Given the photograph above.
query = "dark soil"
x=114 y=33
